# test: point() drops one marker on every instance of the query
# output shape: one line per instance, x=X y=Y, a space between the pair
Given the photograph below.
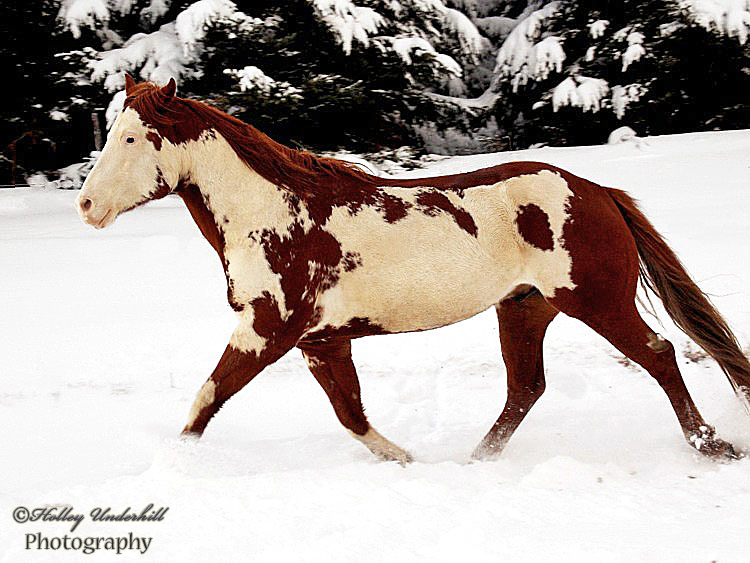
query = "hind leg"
x=523 y=323
x=627 y=332
x=330 y=361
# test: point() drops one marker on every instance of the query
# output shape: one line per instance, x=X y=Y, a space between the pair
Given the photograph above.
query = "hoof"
x=706 y=442
x=402 y=457
x=189 y=437
x=384 y=449
x=485 y=452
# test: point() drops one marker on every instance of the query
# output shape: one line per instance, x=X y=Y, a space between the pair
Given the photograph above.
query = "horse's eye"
x=130 y=140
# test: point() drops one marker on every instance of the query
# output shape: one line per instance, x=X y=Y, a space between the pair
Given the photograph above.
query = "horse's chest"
x=291 y=266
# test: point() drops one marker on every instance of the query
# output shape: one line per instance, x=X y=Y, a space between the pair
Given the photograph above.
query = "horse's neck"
x=239 y=200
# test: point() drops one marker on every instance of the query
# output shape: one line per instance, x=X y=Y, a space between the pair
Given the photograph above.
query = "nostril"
x=86 y=204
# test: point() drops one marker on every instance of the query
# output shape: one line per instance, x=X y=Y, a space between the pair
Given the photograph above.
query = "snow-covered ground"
x=105 y=337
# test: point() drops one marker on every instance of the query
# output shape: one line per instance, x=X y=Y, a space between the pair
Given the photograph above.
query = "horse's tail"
x=690 y=309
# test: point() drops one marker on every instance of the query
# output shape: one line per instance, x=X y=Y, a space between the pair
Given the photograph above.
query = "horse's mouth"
x=103 y=221
x=106 y=219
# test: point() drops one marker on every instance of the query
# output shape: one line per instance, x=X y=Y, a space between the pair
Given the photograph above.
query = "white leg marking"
x=204 y=398
x=657 y=342
x=383 y=448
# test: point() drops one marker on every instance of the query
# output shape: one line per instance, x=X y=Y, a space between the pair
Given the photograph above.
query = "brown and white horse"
x=317 y=252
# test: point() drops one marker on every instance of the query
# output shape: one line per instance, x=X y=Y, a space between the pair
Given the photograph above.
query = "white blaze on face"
x=425 y=271
x=126 y=172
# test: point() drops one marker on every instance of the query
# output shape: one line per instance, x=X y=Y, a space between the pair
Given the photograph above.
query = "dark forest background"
x=373 y=76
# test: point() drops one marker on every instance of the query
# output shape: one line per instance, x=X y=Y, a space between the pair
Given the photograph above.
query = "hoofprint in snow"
x=107 y=335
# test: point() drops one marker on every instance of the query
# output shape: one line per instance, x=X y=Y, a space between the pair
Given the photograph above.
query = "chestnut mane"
x=301 y=172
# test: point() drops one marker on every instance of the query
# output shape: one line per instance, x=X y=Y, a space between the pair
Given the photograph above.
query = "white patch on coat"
x=204 y=398
x=657 y=342
x=547 y=270
x=312 y=361
x=245 y=338
x=423 y=271
x=382 y=447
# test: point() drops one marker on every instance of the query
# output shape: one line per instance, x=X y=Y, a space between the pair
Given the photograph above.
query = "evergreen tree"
x=46 y=121
x=446 y=75
x=647 y=64
x=352 y=89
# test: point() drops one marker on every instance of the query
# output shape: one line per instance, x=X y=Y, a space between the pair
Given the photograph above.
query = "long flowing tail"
x=663 y=273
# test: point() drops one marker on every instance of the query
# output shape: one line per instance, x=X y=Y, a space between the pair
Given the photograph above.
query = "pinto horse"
x=317 y=252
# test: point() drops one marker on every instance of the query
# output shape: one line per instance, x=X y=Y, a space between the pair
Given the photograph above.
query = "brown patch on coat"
x=533 y=225
x=155 y=139
x=355 y=327
x=304 y=261
x=161 y=189
x=351 y=261
x=432 y=203
x=203 y=217
x=267 y=322
x=602 y=251
x=198 y=207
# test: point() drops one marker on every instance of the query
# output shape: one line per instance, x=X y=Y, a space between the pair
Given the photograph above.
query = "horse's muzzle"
x=91 y=215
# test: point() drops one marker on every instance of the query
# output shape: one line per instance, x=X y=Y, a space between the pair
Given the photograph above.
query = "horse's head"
x=137 y=163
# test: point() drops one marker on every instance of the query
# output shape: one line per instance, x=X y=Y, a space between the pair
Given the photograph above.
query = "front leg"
x=244 y=358
x=330 y=361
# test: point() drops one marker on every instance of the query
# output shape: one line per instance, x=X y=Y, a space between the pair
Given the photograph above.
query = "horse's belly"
x=418 y=286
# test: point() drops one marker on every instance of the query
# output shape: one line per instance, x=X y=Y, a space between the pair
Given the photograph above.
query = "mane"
x=300 y=172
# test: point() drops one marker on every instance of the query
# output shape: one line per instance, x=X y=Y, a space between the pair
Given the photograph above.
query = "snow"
x=730 y=17
x=253 y=78
x=58 y=115
x=405 y=46
x=580 y=91
x=622 y=134
x=635 y=50
x=83 y=13
x=155 y=10
x=107 y=336
x=623 y=95
x=596 y=29
x=115 y=107
x=191 y=23
x=545 y=57
x=158 y=56
x=349 y=22
x=520 y=55
x=471 y=41
x=496 y=27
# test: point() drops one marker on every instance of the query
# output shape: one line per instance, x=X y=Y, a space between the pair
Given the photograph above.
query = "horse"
x=317 y=252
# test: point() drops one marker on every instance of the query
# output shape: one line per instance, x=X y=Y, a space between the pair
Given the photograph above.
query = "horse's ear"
x=170 y=88
x=129 y=83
